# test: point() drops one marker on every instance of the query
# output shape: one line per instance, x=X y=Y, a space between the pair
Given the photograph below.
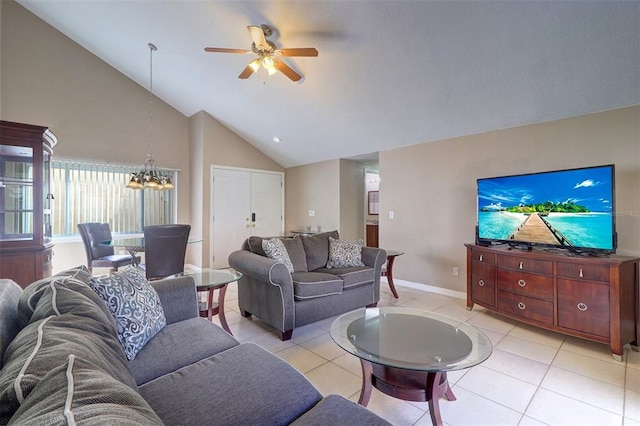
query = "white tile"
x=632 y=405
x=472 y=409
x=517 y=366
x=248 y=329
x=591 y=349
x=493 y=336
x=350 y=363
x=597 y=369
x=306 y=332
x=585 y=389
x=506 y=390
x=633 y=380
x=555 y=409
x=491 y=321
x=538 y=335
x=324 y=346
x=270 y=341
x=393 y=410
x=456 y=309
x=301 y=359
x=329 y=378
x=631 y=422
x=527 y=349
x=633 y=359
x=528 y=421
x=423 y=305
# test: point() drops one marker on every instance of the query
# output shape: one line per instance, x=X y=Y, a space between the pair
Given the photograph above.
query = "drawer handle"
x=582 y=306
x=522 y=283
x=581 y=275
x=480 y=258
x=521 y=266
x=521 y=306
x=481 y=283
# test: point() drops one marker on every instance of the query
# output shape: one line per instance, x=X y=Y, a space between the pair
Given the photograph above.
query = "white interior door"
x=244 y=203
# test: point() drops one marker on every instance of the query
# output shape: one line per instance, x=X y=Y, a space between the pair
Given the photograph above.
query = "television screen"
x=572 y=209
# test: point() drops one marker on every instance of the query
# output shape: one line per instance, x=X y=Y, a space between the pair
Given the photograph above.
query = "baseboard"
x=429 y=288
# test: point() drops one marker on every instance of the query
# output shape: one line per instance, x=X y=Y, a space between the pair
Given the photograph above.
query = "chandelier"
x=150 y=176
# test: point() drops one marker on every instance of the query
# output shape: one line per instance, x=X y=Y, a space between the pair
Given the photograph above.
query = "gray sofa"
x=62 y=363
x=312 y=292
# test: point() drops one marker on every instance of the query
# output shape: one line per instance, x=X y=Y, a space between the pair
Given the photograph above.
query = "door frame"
x=212 y=168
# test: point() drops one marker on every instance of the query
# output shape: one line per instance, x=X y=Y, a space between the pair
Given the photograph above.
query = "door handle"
x=253 y=217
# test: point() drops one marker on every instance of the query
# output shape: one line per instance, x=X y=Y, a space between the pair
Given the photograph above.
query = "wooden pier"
x=537 y=230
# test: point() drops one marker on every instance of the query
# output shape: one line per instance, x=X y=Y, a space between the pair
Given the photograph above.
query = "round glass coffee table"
x=406 y=353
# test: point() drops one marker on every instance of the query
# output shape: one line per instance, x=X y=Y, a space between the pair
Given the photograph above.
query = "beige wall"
x=432 y=187
x=313 y=187
x=100 y=115
x=352 y=212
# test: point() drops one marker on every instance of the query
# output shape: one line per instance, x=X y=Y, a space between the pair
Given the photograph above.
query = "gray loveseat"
x=312 y=292
x=62 y=364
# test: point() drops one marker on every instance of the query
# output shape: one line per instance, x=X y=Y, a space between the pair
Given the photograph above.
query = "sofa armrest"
x=178 y=297
x=261 y=268
x=374 y=257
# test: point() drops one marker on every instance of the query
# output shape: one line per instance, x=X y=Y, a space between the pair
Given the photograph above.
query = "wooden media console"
x=594 y=298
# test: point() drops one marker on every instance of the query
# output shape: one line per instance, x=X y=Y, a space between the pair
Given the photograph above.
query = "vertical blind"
x=87 y=192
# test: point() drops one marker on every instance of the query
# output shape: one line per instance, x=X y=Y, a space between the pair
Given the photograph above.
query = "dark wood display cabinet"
x=26 y=246
x=594 y=298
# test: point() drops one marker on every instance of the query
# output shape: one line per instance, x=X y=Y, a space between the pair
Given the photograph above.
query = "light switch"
x=312 y=212
x=392 y=214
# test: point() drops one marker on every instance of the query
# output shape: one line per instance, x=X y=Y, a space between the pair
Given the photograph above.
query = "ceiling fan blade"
x=223 y=50
x=286 y=70
x=257 y=34
x=301 y=51
x=246 y=73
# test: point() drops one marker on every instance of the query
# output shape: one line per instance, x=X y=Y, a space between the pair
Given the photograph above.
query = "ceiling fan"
x=268 y=54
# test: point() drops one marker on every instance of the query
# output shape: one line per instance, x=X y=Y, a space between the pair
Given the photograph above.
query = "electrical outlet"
x=312 y=212
x=455 y=271
x=392 y=214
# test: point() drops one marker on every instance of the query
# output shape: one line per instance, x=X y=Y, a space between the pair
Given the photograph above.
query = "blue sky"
x=586 y=187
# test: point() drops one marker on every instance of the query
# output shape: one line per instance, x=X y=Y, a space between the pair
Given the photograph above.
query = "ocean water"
x=591 y=230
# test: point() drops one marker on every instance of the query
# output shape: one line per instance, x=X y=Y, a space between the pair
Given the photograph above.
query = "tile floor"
x=533 y=377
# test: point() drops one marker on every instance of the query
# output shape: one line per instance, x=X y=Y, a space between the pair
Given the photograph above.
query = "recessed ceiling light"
x=276 y=139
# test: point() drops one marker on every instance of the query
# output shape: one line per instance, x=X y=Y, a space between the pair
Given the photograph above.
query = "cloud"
x=586 y=184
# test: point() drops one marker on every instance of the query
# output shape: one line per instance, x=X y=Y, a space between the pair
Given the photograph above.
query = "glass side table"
x=210 y=280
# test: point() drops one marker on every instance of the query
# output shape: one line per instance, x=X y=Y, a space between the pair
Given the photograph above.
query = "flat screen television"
x=571 y=209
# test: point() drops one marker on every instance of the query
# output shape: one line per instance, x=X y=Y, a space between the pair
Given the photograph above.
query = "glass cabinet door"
x=47 y=193
x=16 y=193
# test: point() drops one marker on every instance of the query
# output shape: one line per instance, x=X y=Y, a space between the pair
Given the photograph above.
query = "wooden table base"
x=216 y=308
x=407 y=385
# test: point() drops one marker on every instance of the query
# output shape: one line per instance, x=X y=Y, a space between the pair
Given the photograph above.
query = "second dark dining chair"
x=165 y=248
x=99 y=255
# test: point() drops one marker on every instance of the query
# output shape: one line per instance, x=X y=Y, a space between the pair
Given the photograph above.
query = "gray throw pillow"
x=344 y=253
x=134 y=304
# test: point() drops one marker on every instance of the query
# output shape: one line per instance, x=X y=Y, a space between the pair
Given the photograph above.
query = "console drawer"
x=526 y=284
x=483 y=284
x=526 y=265
x=525 y=307
x=576 y=271
x=584 y=306
x=483 y=257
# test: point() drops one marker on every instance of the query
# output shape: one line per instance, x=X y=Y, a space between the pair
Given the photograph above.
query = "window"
x=86 y=192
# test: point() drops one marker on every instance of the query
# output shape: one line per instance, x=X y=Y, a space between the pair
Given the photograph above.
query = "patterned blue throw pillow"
x=275 y=249
x=134 y=304
x=344 y=253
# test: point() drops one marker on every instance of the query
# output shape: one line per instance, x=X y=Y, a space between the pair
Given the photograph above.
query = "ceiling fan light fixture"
x=255 y=65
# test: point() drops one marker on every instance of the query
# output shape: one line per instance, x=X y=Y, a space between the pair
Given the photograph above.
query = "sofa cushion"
x=46 y=344
x=275 y=249
x=245 y=385
x=353 y=276
x=309 y=285
x=9 y=325
x=296 y=253
x=255 y=245
x=177 y=345
x=316 y=248
x=134 y=304
x=78 y=393
x=337 y=410
x=31 y=294
x=344 y=253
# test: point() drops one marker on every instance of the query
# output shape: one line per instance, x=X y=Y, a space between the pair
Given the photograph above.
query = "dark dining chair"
x=165 y=247
x=98 y=255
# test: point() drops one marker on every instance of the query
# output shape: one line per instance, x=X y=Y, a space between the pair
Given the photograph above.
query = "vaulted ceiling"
x=389 y=73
